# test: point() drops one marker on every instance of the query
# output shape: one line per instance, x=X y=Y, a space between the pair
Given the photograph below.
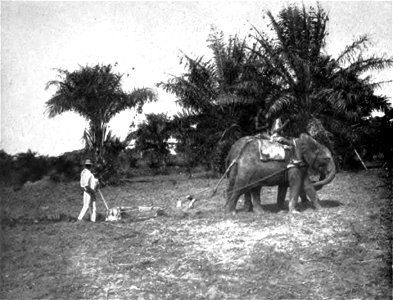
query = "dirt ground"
x=341 y=252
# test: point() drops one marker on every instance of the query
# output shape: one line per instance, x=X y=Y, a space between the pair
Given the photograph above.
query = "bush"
x=29 y=167
x=219 y=156
x=6 y=167
x=65 y=168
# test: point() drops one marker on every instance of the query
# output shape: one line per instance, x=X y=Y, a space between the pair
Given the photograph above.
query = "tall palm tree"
x=314 y=86
x=299 y=38
x=96 y=94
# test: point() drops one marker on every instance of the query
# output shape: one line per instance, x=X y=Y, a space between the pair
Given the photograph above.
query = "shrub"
x=6 y=167
x=29 y=167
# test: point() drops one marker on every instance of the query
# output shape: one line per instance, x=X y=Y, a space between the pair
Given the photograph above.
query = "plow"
x=117 y=213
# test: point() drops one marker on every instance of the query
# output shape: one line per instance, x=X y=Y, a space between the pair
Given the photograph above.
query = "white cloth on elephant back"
x=271 y=150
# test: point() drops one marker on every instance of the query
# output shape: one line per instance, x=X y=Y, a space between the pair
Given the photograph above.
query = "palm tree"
x=151 y=138
x=316 y=90
x=220 y=95
x=299 y=38
x=345 y=96
x=96 y=94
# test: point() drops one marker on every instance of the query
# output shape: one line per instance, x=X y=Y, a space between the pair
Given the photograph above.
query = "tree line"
x=287 y=74
x=281 y=71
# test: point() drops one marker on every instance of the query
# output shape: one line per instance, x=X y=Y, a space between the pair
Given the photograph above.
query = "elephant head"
x=319 y=159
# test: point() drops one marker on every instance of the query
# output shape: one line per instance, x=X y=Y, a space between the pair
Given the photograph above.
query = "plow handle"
x=103 y=199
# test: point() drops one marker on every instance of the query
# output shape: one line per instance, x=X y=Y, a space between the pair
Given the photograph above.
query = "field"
x=340 y=252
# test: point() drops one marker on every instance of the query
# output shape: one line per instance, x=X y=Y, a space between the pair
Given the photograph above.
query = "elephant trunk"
x=331 y=174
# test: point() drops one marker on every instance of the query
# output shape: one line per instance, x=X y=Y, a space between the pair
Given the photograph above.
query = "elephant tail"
x=230 y=167
x=223 y=176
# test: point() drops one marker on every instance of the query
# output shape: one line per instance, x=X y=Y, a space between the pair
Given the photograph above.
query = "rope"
x=266 y=177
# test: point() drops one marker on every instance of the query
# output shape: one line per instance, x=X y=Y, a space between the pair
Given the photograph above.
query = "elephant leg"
x=256 y=201
x=294 y=195
x=229 y=193
x=281 y=193
x=230 y=189
x=295 y=179
x=247 y=202
x=303 y=196
x=311 y=193
x=234 y=192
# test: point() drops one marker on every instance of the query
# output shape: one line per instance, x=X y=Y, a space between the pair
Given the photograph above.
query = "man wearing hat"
x=88 y=183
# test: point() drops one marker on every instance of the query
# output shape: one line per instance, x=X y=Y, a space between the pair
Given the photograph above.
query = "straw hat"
x=88 y=162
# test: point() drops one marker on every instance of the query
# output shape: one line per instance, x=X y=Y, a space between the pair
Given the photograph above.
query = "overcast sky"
x=145 y=39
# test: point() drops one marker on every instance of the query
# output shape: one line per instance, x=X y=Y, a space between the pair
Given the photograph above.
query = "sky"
x=146 y=40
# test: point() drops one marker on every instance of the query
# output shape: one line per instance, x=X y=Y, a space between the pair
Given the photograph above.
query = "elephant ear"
x=308 y=148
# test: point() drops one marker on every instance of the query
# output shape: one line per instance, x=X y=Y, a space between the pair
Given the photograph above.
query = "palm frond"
x=373 y=63
x=379 y=84
x=217 y=44
x=351 y=50
x=59 y=104
x=89 y=138
x=278 y=106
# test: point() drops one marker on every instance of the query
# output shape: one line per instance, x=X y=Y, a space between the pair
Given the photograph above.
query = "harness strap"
x=289 y=166
x=260 y=149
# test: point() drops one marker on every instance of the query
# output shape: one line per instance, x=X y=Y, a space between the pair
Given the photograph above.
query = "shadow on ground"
x=301 y=206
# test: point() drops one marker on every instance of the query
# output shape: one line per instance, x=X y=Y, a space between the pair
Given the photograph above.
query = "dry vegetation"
x=341 y=252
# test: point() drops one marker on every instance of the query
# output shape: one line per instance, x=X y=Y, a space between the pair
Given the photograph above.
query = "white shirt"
x=88 y=179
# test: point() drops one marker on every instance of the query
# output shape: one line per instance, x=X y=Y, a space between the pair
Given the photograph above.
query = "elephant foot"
x=294 y=211
x=259 y=210
x=248 y=208
x=229 y=208
x=229 y=211
x=317 y=207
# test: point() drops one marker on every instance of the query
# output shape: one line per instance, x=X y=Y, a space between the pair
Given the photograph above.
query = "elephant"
x=247 y=173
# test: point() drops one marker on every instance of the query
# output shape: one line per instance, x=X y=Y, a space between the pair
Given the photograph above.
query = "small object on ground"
x=160 y=212
x=189 y=198
x=113 y=214
x=145 y=208
x=192 y=201
x=149 y=208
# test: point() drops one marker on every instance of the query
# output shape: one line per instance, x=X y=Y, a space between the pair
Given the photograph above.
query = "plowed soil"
x=340 y=252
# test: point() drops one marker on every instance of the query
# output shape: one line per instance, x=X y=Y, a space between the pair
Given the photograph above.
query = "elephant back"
x=266 y=150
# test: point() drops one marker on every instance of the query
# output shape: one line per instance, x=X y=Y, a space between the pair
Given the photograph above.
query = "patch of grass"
x=340 y=252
